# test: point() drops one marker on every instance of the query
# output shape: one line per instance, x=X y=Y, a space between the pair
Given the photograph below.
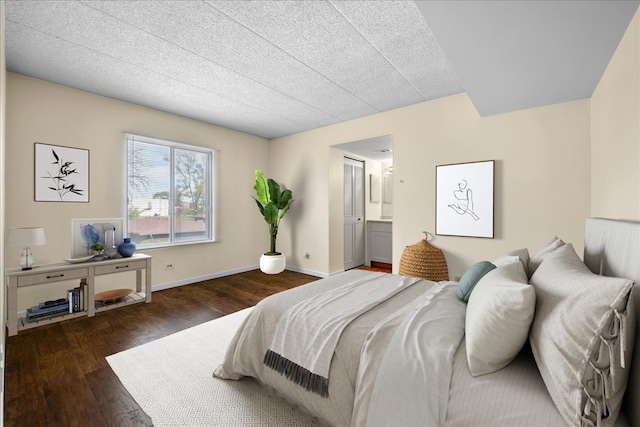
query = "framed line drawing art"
x=465 y=199
x=86 y=232
x=61 y=174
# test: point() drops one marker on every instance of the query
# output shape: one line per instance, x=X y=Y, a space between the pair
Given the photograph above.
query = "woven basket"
x=424 y=261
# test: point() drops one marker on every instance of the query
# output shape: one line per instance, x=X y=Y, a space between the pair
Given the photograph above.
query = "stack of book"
x=48 y=309
x=77 y=300
x=78 y=297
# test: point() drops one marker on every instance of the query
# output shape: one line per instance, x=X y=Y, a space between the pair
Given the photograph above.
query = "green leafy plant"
x=97 y=247
x=273 y=204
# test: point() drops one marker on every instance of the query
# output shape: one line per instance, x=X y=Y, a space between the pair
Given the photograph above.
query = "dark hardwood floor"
x=57 y=375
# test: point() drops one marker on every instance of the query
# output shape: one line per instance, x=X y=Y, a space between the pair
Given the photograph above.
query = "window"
x=169 y=192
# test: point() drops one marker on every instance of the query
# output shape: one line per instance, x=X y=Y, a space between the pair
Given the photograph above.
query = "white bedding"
x=413 y=373
x=307 y=333
x=246 y=352
x=512 y=396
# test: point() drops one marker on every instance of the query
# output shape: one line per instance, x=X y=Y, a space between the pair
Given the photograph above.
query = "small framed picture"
x=465 y=199
x=88 y=232
x=61 y=174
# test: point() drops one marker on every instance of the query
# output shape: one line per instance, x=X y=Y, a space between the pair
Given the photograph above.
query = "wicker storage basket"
x=424 y=261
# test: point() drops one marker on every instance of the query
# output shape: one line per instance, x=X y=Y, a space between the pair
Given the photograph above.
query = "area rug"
x=171 y=379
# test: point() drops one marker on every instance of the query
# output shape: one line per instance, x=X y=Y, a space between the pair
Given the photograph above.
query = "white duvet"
x=411 y=386
x=391 y=366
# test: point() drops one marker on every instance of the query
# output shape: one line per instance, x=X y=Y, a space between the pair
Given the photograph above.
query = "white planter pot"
x=272 y=264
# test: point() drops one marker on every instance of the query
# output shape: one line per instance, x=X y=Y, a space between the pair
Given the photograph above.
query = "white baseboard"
x=192 y=280
x=219 y=274
x=307 y=271
x=337 y=272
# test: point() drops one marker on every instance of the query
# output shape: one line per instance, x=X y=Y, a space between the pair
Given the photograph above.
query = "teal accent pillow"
x=471 y=277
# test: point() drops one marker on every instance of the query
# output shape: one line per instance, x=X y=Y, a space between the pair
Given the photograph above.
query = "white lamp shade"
x=28 y=236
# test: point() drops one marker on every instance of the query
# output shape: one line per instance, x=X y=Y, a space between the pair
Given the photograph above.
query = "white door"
x=353 y=213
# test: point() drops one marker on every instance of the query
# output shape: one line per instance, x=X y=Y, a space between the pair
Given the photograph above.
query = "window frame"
x=210 y=216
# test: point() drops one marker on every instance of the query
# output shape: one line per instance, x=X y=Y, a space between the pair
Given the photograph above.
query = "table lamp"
x=25 y=238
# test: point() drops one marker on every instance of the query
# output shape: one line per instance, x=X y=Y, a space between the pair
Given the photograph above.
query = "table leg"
x=138 y=280
x=147 y=280
x=91 y=288
x=12 y=305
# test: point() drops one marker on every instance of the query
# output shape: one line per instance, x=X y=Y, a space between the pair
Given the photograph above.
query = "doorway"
x=354 y=223
x=376 y=153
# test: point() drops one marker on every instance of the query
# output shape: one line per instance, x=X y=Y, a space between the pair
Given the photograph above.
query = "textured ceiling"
x=268 y=68
x=273 y=68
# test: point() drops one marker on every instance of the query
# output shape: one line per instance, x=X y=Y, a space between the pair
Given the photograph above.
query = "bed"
x=543 y=339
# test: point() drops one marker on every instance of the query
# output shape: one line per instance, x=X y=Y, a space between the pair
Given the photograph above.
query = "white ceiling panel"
x=426 y=69
x=273 y=68
x=202 y=30
x=109 y=76
x=317 y=34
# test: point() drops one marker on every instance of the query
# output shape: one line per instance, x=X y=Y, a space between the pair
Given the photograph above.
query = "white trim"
x=166 y=142
x=307 y=271
x=193 y=280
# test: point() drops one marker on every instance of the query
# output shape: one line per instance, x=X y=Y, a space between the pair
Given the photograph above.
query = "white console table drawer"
x=119 y=268
x=52 y=276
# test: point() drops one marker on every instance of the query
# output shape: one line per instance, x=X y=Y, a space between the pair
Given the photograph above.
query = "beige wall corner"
x=615 y=132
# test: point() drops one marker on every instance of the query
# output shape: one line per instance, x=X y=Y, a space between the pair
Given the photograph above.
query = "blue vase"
x=126 y=248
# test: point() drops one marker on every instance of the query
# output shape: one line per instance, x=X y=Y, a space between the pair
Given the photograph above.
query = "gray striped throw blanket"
x=307 y=334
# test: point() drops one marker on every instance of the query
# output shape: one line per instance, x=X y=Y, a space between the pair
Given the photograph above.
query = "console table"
x=41 y=275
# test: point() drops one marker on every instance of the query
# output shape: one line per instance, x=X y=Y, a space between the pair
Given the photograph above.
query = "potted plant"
x=98 y=249
x=273 y=204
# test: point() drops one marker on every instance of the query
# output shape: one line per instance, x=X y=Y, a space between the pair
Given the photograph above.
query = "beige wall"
x=373 y=210
x=3 y=75
x=542 y=177
x=615 y=132
x=43 y=112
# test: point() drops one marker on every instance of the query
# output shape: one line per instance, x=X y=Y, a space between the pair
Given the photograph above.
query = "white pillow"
x=499 y=314
x=521 y=255
x=542 y=253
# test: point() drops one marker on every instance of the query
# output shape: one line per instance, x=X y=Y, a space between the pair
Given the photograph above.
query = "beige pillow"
x=582 y=337
x=537 y=258
x=499 y=314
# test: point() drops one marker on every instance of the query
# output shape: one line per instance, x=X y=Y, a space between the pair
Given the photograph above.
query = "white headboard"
x=612 y=248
